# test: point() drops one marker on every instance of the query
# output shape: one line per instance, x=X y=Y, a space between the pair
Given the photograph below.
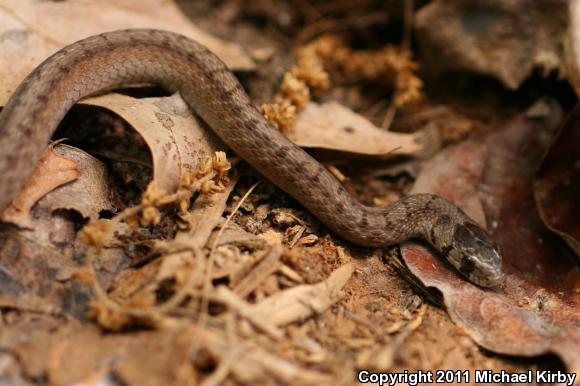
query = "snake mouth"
x=488 y=280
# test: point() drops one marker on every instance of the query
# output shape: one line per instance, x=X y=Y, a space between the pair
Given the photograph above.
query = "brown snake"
x=178 y=64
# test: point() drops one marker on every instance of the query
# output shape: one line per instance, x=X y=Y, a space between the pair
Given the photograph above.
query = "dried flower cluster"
x=210 y=178
x=306 y=77
x=390 y=66
x=282 y=115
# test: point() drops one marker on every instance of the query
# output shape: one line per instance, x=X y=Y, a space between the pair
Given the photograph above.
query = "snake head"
x=476 y=255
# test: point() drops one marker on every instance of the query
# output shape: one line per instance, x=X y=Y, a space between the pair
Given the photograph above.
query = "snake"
x=177 y=63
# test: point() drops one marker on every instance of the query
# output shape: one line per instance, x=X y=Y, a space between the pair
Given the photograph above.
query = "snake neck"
x=425 y=216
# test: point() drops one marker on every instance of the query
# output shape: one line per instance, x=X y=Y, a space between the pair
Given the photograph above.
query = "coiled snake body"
x=176 y=63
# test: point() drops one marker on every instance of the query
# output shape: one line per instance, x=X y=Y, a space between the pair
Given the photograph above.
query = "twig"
x=211 y=258
x=262 y=270
x=389 y=116
x=203 y=311
x=226 y=296
x=407 y=24
x=226 y=363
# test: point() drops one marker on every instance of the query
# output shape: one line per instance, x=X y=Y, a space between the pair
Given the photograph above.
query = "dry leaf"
x=246 y=311
x=333 y=126
x=176 y=139
x=90 y=193
x=29 y=36
x=506 y=39
x=300 y=302
x=51 y=172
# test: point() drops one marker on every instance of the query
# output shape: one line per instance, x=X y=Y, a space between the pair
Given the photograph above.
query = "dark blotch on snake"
x=467 y=265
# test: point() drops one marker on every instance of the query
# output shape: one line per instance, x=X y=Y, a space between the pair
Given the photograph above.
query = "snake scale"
x=178 y=64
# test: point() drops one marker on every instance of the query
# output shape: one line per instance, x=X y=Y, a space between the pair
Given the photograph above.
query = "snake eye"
x=467 y=265
x=479 y=256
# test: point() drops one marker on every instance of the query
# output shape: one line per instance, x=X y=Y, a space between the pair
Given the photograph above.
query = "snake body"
x=178 y=64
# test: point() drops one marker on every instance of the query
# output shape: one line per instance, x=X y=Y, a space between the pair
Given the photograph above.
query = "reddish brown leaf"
x=557 y=186
x=491 y=177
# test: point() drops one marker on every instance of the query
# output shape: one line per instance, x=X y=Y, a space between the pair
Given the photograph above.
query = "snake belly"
x=179 y=64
